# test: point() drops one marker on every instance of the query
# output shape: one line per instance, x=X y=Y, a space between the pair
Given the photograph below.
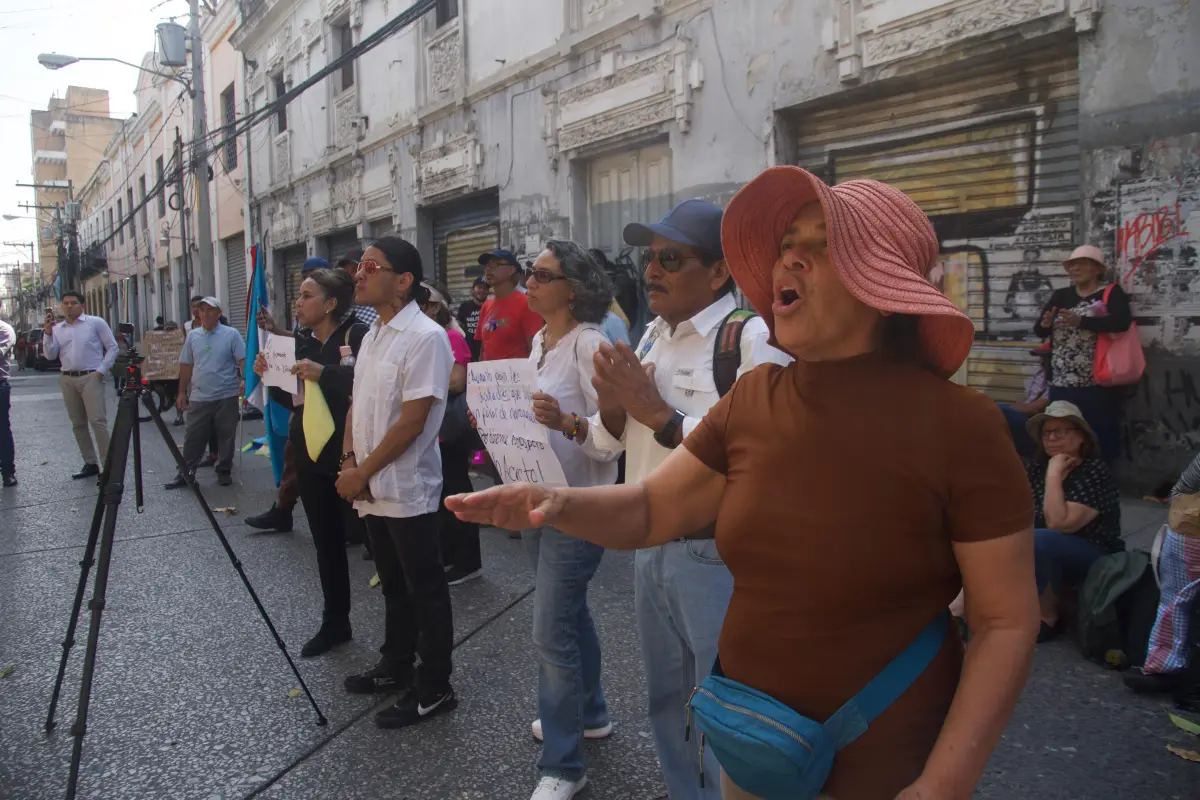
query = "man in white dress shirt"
x=392 y=469
x=86 y=348
x=650 y=399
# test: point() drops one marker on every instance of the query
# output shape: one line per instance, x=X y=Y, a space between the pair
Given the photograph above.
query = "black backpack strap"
x=727 y=350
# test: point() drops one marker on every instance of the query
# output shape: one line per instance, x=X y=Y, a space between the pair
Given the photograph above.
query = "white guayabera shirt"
x=407 y=359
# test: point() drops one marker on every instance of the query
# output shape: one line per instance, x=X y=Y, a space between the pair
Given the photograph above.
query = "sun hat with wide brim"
x=882 y=245
x=1061 y=409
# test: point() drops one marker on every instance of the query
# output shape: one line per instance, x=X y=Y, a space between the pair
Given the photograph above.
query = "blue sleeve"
x=185 y=352
x=239 y=345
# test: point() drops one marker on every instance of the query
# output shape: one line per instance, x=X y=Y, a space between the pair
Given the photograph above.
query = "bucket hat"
x=1061 y=409
x=882 y=245
x=1089 y=251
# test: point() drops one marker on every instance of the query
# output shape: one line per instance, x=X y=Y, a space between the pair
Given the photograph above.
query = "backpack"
x=1116 y=598
x=727 y=349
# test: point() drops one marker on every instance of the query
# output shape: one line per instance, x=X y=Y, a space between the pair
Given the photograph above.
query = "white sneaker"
x=603 y=732
x=558 y=788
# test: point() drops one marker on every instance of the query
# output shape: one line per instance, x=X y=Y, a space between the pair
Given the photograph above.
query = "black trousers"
x=418 y=617
x=326 y=512
x=460 y=540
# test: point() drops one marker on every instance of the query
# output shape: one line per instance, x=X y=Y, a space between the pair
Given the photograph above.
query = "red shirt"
x=506 y=326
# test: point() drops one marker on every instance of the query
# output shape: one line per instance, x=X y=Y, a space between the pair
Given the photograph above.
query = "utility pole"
x=205 y=280
x=185 y=250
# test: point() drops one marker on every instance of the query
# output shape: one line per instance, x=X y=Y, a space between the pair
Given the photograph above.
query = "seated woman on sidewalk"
x=853 y=492
x=1077 y=508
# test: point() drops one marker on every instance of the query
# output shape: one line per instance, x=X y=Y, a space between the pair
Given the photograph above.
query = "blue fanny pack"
x=774 y=753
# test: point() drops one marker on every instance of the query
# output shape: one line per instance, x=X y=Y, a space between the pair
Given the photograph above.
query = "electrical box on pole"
x=172 y=45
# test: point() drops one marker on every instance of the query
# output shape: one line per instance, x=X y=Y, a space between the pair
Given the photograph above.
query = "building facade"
x=1021 y=127
x=67 y=140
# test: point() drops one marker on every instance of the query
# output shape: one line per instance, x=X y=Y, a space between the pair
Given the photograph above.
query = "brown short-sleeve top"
x=847 y=482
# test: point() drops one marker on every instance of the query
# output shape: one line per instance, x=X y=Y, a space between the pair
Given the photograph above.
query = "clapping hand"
x=623 y=380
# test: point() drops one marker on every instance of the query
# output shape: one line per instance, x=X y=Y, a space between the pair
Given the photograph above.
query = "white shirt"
x=567 y=376
x=87 y=345
x=684 y=376
x=407 y=359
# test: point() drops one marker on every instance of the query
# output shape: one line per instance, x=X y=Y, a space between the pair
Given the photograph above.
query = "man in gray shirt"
x=8 y=468
x=210 y=390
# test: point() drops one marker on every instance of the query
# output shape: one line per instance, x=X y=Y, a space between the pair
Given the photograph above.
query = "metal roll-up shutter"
x=292 y=259
x=235 y=278
x=461 y=231
x=341 y=243
x=990 y=151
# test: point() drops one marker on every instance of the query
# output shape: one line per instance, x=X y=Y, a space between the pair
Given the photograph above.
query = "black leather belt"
x=76 y=373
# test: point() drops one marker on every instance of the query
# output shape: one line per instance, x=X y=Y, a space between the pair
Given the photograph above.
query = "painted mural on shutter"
x=991 y=153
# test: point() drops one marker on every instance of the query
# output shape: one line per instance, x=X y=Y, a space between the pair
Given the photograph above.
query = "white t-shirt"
x=407 y=359
x=567 y=376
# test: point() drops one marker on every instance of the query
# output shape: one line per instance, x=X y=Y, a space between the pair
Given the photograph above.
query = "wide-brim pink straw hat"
x=881 y=243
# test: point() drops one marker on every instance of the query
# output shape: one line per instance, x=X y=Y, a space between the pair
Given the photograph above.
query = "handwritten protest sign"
x=161 y=350
x=500 y=395
x=280 y=355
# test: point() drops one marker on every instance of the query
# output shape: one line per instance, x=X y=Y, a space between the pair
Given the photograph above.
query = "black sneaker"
x=277 y=519
x=380 y=679
x=10 y=481
x=456 y=576
x=224 y=479
x=1151 y=683
x=411 y=708
x=328 y=637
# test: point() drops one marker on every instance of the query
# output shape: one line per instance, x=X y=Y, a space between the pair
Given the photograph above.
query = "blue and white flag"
x=274 y=415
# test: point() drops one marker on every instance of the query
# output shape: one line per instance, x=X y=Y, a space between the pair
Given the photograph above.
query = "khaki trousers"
x=731 y=792
x=84 y=399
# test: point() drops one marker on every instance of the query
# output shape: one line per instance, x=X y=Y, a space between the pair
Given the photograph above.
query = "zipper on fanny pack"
x=753 y=714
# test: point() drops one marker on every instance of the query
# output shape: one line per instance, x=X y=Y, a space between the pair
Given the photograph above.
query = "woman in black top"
x=325 y=327
x=1077 y=509
x=1072 y=318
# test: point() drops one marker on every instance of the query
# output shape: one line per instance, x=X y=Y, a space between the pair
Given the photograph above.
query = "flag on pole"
x=274 y=415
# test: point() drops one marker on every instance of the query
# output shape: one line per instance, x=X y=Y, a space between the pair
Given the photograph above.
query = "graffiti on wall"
x=1156 y=232
x=1162 y=419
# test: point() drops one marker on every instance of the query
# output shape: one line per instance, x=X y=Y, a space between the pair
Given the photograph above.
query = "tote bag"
x=1119 y=357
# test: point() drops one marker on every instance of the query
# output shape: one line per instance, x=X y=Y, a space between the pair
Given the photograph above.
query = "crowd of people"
x=833 y=474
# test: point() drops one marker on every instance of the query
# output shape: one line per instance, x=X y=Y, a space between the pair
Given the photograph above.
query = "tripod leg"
x=111 y=493
x=85 y=566
x=237 y=564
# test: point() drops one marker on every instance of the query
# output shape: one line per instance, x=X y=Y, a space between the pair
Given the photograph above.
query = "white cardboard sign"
x=280 y=354
x=500 y=395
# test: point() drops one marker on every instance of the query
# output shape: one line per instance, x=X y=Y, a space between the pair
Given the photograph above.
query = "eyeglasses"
x=369 y=267
x=1056 y=433
x=670 y=258
x=543 y=276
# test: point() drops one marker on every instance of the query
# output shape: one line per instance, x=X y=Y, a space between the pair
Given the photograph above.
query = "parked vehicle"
x=33 y=353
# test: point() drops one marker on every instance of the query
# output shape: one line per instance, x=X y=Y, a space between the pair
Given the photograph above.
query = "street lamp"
x=58 y=61
x=11 y=217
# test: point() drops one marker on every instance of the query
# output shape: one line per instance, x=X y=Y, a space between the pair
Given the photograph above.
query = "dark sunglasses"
x=543 y=275
x=670 y=258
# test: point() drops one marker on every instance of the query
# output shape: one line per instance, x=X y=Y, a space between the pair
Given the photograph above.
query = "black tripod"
x=112 y=487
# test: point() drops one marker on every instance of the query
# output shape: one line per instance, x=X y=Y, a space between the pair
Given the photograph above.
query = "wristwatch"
x=666 y=436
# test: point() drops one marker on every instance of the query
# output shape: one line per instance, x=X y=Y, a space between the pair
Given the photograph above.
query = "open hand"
x=514 y=506
x=547 y=412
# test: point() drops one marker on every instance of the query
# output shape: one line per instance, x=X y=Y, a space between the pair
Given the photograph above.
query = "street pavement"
x=193 y=699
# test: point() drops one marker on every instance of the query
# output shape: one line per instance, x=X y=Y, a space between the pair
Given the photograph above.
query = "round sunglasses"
x=672 y=260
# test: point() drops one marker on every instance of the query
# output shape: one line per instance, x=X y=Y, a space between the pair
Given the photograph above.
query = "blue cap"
x=316 y=262
x=696 y=223
x=502 y=255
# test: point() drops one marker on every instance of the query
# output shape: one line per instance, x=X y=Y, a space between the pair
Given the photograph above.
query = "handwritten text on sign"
x=280 y=355
x=500 y=395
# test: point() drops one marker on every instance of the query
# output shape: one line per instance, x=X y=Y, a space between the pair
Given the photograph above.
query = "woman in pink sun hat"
x=854 y=493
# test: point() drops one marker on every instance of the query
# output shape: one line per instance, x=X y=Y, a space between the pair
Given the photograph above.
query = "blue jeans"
x=8 y=450
x=569 y=694
x=681 y=592
x=1060 y=557
x=1016 y=424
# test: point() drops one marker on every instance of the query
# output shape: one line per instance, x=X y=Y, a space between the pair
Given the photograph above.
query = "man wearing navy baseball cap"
x=700 y=343
x=506 y=325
